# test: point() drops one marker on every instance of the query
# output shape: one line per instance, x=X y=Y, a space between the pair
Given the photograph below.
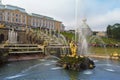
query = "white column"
x=9 y=35
x=50 y=29
x=6 y=16
x=53 y=25
x=25 y=19
x=32 y=21
x=41 y=23
x=15 y=37
x=10 y=17
x=45 y=23
x=21 y=19
x=48 y=25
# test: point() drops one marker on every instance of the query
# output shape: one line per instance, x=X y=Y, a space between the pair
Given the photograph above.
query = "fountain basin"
x=76 y=63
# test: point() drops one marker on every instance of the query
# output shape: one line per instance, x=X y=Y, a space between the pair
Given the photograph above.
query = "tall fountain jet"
x=82 y=32
x=12 y=36
x=0 y=1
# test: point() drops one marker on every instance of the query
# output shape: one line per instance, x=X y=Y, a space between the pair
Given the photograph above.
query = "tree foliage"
x=114 y=31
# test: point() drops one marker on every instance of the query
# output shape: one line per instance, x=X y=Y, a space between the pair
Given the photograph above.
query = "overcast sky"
x=99 y=13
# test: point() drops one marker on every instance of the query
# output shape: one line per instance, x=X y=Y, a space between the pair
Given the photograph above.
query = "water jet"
x=77 y=59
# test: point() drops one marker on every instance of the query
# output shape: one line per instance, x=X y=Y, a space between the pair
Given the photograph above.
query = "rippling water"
x=47 y=70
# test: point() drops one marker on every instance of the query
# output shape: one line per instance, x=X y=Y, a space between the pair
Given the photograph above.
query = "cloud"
x=103 y=20
x=99 y=22
x=62 y=10
x=99 y=13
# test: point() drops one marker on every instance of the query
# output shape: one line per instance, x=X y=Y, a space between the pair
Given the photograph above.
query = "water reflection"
x=73 y=75
x=47 y=70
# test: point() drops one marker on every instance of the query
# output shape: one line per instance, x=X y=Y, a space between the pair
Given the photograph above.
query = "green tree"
x=114 y=31
x=109 y=31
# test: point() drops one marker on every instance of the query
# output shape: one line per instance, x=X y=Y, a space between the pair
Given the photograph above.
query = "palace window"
x=8 y=13
x=0 y=18
x=19 y=20
x=8 y=18
x=12 y=19
x=23 y=20
x=16 y=15
x=13 y=14
x=16 y=20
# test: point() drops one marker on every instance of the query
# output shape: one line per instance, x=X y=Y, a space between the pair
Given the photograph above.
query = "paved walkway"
x=99 y=56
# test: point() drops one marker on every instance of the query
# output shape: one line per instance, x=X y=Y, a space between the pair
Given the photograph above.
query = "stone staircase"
x=23 y=48
x=34 y=46
x=51 y=40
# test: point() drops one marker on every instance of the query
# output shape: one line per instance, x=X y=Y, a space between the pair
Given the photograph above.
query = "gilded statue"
x=73 y=48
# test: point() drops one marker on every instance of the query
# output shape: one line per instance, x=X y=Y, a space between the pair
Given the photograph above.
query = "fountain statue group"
x=74 y=61
x=77 y=60
x=73 y=48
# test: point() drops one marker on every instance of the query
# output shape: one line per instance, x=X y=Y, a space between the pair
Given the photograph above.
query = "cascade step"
x=22 y=47
x=17 y=52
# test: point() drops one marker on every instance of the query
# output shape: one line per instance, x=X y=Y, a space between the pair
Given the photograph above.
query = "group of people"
x=105 y=45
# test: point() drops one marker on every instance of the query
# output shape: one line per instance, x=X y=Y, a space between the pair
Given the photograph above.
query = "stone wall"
x=22 y=37
x=3 y=55
x=3 y=35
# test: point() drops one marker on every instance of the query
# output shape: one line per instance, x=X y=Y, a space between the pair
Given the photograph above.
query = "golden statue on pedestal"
x=73 y=48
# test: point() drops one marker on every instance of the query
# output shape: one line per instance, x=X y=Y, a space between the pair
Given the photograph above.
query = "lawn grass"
x=110 y=40
x=98 y=50
x=69 y=36
x=103 y=51
x=106 y=40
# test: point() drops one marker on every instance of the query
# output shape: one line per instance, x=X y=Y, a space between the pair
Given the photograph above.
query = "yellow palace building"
x=17 y=17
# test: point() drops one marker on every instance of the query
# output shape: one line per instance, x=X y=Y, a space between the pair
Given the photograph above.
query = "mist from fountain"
x=12 y=36
x=103 y=45
x=82 y=33
x=65 y=43
x=62 y=41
